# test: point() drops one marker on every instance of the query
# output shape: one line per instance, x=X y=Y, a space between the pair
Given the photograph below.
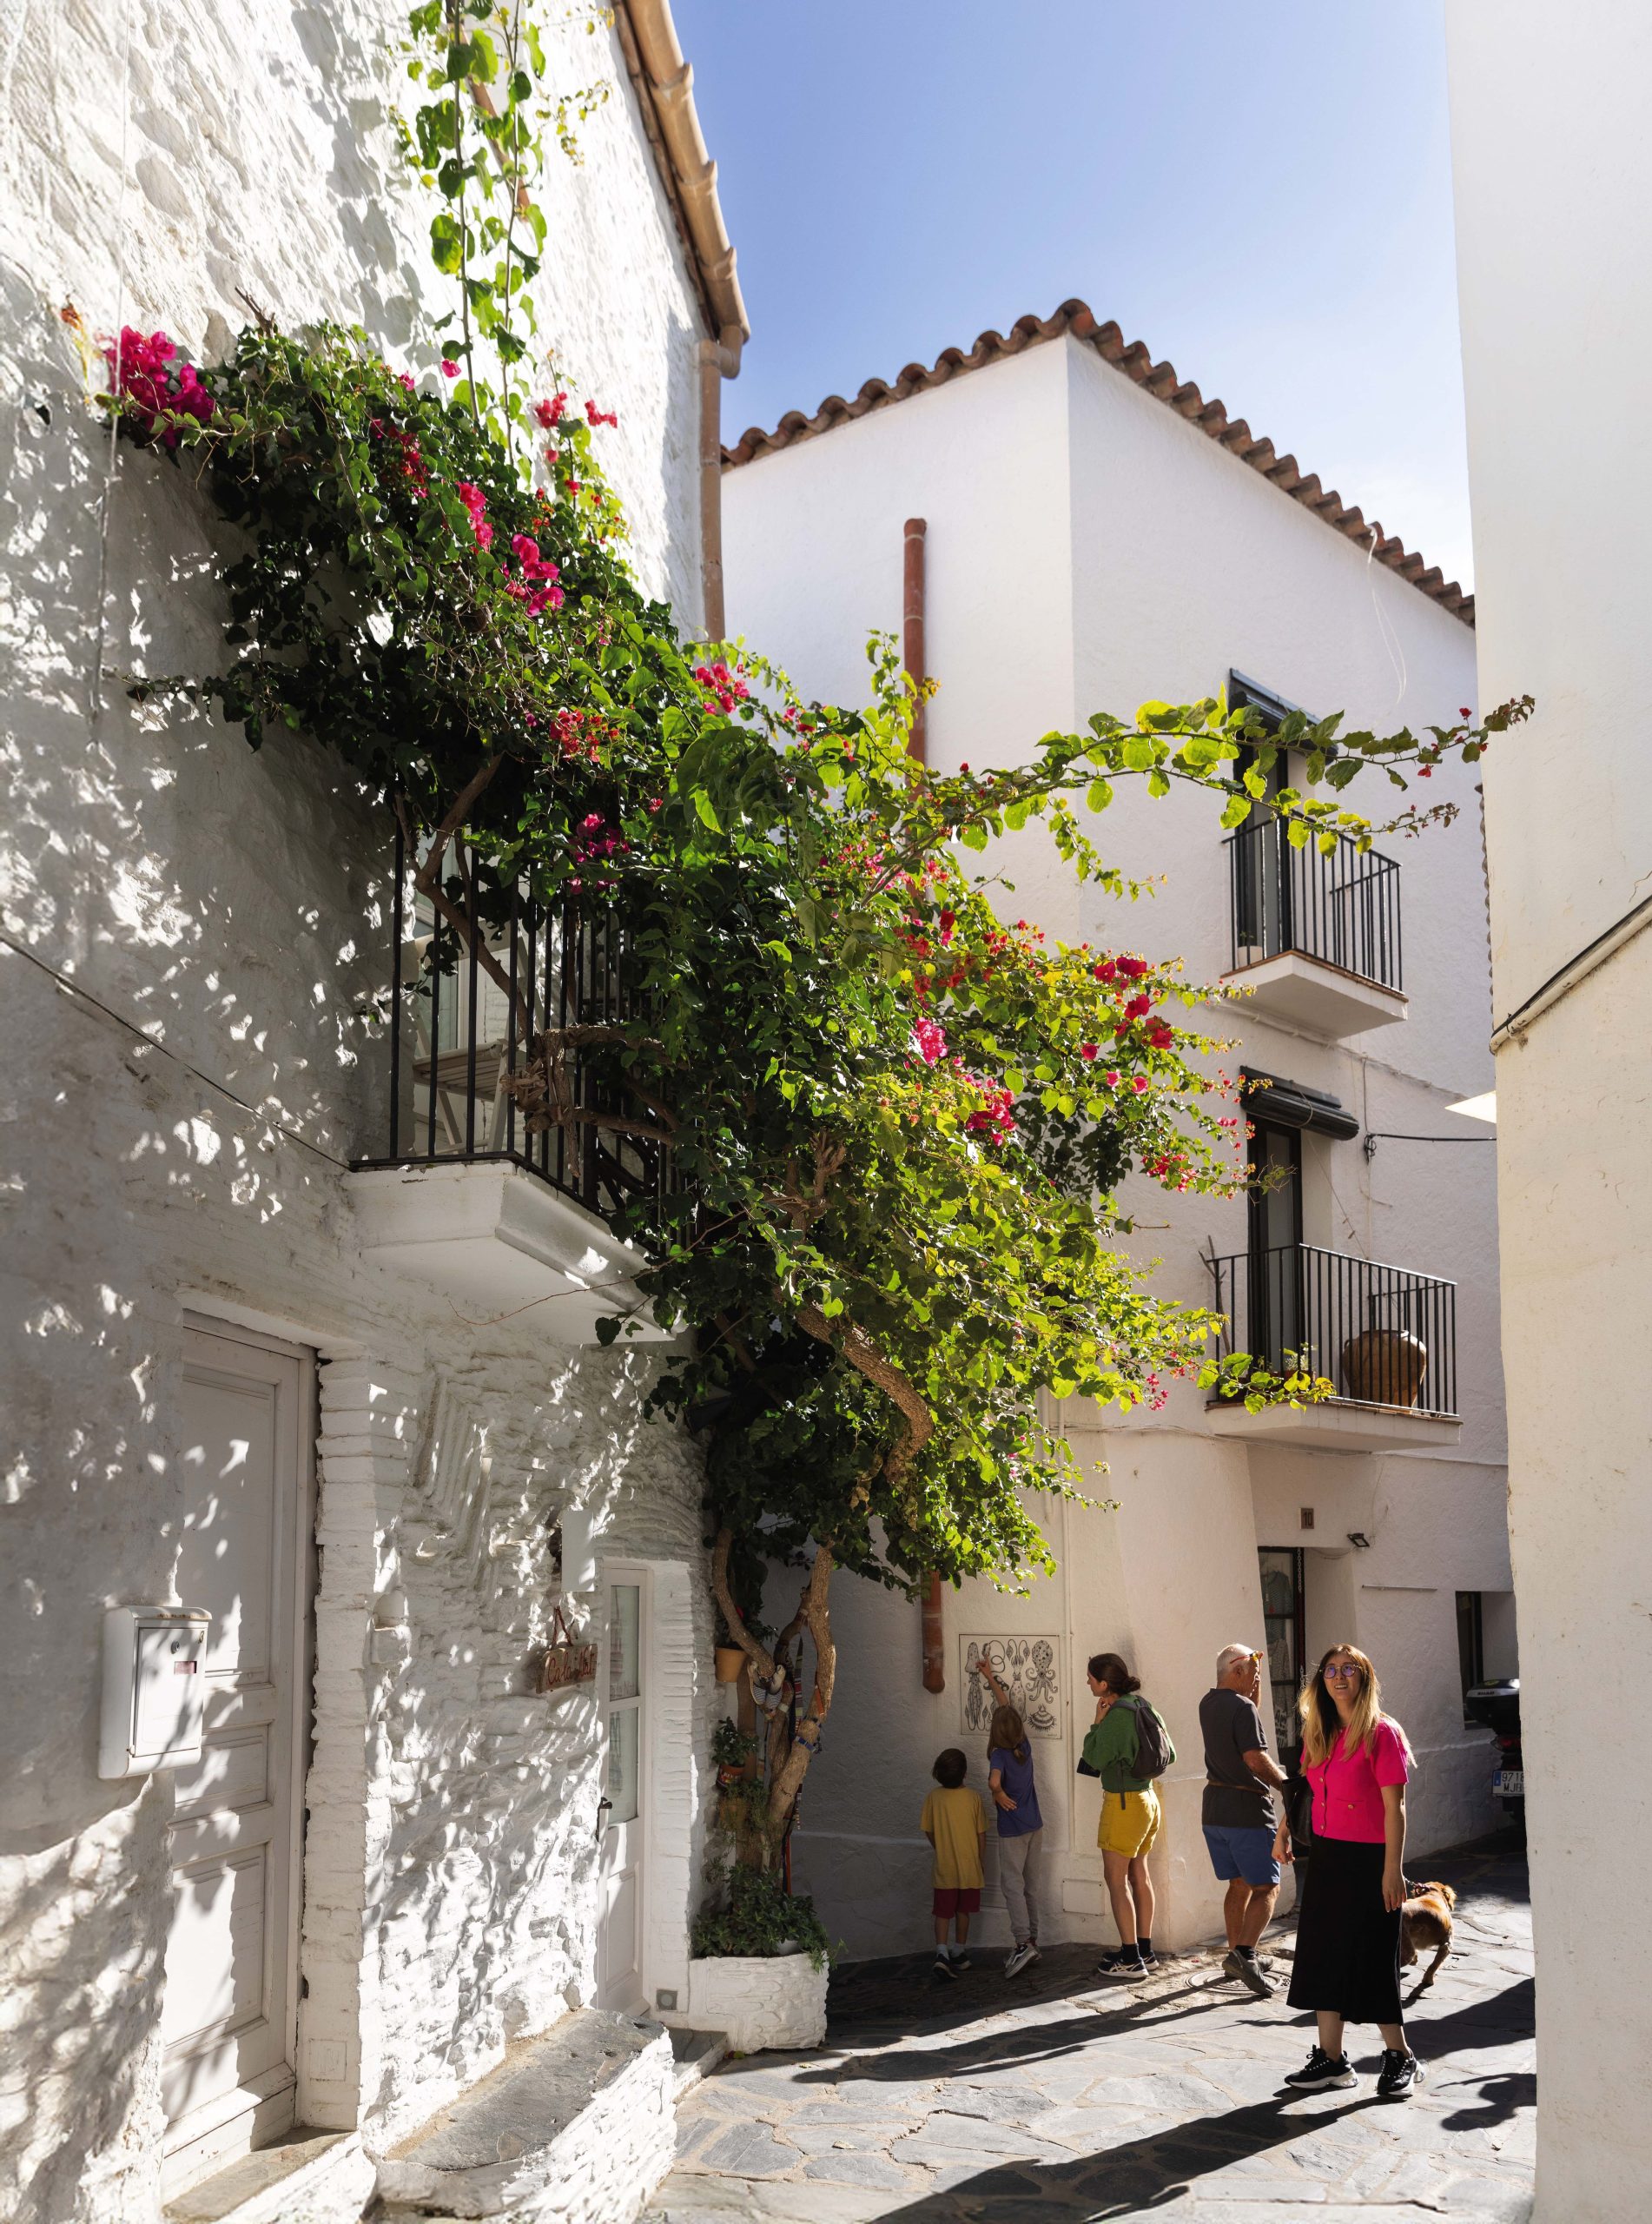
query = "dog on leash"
x=1425 y=1920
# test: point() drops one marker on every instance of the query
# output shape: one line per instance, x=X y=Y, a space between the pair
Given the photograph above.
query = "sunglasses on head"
x=1335 y=1669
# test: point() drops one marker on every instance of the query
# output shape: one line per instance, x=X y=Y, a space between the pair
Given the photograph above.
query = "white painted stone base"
x=759 y=2000
x=578 y=2128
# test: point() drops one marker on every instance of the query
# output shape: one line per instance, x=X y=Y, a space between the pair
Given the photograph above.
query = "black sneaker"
x=943 y=1966
x=1319 y=2072
x=1130 y=1968
x=961 y=1961
x=1400 y=2077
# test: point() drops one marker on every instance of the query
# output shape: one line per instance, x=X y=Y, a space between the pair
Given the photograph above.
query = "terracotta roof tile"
x=1075 y=320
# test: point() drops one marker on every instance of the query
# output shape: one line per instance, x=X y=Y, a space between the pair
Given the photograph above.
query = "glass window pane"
x=625 y=1641
x=623 y=1724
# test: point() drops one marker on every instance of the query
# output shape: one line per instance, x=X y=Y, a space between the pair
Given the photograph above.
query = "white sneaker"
x=1019 y=1960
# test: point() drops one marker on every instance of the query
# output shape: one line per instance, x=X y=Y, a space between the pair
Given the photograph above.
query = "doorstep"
x=305 y=2177
x=579 y=2124
x=694 y=2054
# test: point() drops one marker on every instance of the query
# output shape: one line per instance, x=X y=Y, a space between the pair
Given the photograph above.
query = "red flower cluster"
x=537 y=586
x=552 y=413
x=143 y=371
x=476 y=508
x=581 y=733
x=722 y=685
x=408 y=463
x=996 y=1118
x=595 y=416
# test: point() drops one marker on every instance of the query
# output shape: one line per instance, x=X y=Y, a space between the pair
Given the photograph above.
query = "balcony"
x=499 y=1204
x=1384 y=1336
x=1314 y=935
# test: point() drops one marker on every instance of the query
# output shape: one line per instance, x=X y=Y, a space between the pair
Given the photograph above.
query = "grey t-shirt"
x=1232 y=1728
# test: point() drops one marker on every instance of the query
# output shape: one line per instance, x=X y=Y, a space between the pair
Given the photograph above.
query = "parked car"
x=1497 y=1706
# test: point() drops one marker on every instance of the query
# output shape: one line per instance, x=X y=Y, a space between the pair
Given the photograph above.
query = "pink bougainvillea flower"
x=143 y=374
x=1112 y=1079
x=476 y=509
x=404 y=378
x=595 y=416
x=552 y=412
x=1133 y=968
x=450 y=368
x=1138 y=1007
x=1139 y=1084
x=930 y=1041
x=1106 y=971
x=1088 y=1049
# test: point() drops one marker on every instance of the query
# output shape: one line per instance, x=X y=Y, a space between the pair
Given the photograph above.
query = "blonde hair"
x=1320 y=1721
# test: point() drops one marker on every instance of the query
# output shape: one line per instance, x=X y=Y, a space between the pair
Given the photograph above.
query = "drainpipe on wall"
x=914 y=532
x=934 y=1651
x=719 y=359
x=912 y=650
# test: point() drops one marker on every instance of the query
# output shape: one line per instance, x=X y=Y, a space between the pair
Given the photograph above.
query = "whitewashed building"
x=1553 y=184
x=1076 y=529
x=351 y=1417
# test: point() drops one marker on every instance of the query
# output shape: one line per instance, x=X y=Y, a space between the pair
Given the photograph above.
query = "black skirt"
x=1347 y=1960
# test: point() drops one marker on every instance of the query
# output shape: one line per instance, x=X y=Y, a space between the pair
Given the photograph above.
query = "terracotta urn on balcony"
x=1383 y=1367
x=729 y=1657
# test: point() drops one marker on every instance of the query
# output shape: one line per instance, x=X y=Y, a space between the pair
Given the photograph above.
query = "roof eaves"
x=664 y=83
x=1075 y=320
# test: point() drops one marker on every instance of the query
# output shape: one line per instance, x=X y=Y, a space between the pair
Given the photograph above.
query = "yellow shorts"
x=1129 y=1822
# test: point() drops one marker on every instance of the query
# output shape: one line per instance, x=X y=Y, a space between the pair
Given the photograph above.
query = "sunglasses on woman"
x=1336 y=1670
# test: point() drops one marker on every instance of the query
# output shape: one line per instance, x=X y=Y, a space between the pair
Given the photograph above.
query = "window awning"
x=1293 y=1104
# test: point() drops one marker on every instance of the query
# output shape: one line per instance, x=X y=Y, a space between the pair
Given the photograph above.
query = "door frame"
x=610 y=1573
x=233 y=2122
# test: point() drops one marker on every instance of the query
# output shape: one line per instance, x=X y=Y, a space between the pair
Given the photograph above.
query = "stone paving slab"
x=984 y=2103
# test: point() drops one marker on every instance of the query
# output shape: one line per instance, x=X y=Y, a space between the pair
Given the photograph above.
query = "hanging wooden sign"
x=568 y=1660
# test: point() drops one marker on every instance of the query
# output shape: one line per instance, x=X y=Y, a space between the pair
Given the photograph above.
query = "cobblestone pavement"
x=1053 y=2098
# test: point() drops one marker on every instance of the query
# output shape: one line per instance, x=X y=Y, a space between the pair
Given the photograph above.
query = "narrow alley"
x=1055 y=2098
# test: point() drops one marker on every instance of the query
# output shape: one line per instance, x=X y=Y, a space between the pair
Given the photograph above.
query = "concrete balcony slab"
x=492 y=1238
x=1320 y=998
x=1338 y=1424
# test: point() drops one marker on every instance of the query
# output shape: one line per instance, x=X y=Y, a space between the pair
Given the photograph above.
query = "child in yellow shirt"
x=955 y=1822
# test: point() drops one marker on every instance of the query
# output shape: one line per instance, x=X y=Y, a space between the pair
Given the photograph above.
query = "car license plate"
x=1510 y=1783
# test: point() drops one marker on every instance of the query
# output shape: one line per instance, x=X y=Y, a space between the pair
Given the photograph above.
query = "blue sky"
x=1260 y=190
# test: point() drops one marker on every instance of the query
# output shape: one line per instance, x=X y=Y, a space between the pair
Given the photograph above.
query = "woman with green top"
x=1129 y=1816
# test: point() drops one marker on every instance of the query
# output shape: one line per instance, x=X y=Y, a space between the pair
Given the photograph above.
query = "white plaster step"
x=695 y=2055
x=307 y=2177
x=578 y=2126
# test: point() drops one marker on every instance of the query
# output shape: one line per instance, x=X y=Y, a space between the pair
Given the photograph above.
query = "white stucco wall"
x=232 y=905
x=1554 y=218
x=1087 y=549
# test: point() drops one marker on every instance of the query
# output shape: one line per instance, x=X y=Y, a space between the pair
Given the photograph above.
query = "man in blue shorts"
x=1238 y=1809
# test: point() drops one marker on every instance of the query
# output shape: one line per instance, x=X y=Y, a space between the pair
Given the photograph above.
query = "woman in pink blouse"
x=1357 y=1760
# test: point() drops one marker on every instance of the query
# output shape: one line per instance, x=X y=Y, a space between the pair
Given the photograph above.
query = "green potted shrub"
x=762 y=1962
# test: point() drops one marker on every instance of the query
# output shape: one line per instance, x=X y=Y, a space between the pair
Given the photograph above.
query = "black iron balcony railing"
x=465 y=1027
x=1383 y=1335
x=1342 y=906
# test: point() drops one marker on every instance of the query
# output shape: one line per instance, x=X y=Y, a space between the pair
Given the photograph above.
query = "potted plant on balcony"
x=760 y=1964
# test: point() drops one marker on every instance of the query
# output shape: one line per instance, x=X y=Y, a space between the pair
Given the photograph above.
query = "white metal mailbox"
x=154 y=1679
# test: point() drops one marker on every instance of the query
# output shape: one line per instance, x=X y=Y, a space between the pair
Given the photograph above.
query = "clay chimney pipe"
x=912 y=653
x=935 y=1650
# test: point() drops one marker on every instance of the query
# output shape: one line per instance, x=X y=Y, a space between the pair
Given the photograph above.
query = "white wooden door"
x=229 y=2019
x=621 y=1875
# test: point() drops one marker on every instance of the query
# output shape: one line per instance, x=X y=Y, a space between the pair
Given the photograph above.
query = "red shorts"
x=957 y=1899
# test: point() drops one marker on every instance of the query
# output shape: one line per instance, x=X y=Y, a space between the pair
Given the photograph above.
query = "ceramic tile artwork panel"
x=1029 y=1669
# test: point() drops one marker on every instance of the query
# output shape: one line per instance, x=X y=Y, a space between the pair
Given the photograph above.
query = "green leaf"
x=1098 y=795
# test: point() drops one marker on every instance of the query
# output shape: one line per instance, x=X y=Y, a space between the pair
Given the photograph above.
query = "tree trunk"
x=787 y=1755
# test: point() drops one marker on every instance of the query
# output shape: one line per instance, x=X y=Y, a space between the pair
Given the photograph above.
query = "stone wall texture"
x=179 y=1131
x=759 y=2000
